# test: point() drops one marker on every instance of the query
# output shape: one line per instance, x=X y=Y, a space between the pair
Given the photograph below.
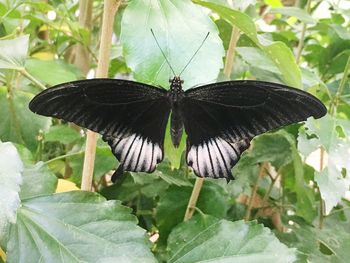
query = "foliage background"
x=288 y=202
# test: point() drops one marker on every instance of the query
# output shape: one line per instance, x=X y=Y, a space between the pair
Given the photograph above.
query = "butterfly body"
x=220 y=119
x=176 y=94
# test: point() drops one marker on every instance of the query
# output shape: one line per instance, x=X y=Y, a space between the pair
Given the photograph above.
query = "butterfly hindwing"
x=220 y=120
x=131 y=116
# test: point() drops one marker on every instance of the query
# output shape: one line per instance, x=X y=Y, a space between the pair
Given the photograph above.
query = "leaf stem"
x=266 y=196
x=302 y=37
x=340 y=90
x=109 y=10
x=321 y=219
x=64 y=156
x=26 y=74
x=193 y=199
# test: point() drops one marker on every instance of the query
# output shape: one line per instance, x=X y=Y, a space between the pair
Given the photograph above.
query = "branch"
x=231 y=52
x=193 y=199
x=110 y=8
x=82 y=58
x=32 y=78
x=302 y=37
x=336 y=98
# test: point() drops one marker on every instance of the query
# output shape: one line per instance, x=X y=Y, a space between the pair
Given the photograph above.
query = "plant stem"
x=321 y=219
x=231 y=52
x=340 y=90
x=193 y=199
x=302 y=37
x=255 y=188
x=64 y=156
x=32 y=79
x=109 y=10
x=267 y=195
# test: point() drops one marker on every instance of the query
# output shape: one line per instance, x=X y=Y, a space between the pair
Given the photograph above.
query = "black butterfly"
x=220 y=119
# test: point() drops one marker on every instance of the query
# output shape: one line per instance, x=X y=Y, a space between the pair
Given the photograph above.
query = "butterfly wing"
x=220 y=120
x=131 y=116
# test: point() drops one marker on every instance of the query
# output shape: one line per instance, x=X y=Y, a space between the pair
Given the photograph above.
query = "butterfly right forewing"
x=220 y=119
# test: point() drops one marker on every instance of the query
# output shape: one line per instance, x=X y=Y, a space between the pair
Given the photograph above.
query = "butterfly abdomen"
x=176 y=126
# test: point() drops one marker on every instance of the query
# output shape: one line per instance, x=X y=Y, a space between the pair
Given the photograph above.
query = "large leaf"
x=52 y=72
x=334 y=180
x=173 y=203
x=170 y=21
x=17 y=123
x=10 y=179
x=76 y=227
x=14 y=52
x=278 y=52
x=257 y=58
x=38 y=180
x=329 y=244
x=207 y=239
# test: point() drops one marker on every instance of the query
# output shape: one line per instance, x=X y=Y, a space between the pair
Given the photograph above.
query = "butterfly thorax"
x=176 y=121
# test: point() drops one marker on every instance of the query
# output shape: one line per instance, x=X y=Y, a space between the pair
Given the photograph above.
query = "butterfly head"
x=176 y=88
x=176 y=81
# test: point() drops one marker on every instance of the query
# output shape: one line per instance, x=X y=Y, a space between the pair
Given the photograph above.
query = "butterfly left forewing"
x=131 y=116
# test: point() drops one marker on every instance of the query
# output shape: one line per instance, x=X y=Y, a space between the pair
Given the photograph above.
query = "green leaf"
x=76 y=227
x=206 y=239
x=170 y=21
x=134 y=185
x=301 y=14
x=171 y=176
x=173 y=203
x=278 y=52
x=329 y=244
x=38 y=180
x=341 y=31
x=273 y=147
x=13 y=52
x=257 y=58
x=10 y=179
x=63 y=134
x=52 y=72
x=337 y=241
x=17 y=123
x=333 y=181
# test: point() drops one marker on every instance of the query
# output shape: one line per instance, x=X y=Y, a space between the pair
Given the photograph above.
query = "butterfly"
x=220 y=119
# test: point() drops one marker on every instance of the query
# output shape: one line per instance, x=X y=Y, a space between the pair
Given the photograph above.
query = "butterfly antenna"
x=195 y=53
x=163 y=52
